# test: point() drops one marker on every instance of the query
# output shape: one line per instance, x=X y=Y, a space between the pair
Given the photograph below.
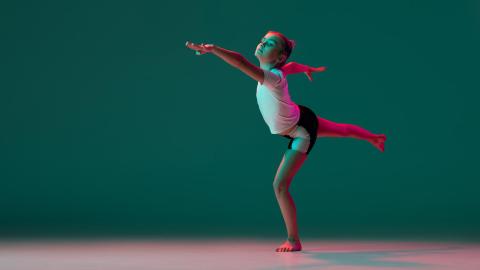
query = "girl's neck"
x=266 y=66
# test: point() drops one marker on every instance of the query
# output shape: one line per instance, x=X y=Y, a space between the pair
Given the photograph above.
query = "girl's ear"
x=282 y=57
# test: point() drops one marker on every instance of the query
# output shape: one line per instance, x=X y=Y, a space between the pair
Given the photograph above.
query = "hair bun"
x=293 y=43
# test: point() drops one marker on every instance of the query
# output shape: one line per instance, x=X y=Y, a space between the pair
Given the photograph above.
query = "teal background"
x=111 y=126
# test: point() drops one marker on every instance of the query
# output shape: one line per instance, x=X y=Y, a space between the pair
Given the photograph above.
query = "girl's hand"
x=200 y=48
x=313 y=69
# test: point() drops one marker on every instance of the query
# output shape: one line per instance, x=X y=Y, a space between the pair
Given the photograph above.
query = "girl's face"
x=270 y=49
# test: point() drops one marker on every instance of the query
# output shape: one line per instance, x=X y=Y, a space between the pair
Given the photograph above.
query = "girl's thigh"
x=327 y=128
x=291 y=162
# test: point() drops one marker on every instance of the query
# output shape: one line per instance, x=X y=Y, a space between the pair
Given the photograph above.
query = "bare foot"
x=379 y=142
x=290 y=245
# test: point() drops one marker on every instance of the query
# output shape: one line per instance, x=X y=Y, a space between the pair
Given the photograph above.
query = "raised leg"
x=327 y=128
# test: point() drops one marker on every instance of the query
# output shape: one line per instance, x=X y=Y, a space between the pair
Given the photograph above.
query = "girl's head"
x=274 y=49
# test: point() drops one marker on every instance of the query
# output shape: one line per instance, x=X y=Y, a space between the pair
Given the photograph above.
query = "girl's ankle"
x=293 y=239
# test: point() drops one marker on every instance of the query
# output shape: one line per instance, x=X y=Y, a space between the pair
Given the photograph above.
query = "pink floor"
x=235 y=254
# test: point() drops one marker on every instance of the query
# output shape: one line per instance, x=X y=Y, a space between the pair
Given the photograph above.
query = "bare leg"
x=327 y=128
x=291 y=162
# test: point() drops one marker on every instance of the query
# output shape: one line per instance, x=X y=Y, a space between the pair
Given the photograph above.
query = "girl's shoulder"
x=279 y=72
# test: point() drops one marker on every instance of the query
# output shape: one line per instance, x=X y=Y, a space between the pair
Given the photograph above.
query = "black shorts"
x=308 y=120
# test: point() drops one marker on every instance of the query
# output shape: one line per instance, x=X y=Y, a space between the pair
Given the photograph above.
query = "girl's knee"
x=280 y=185
x=280 y=188
x=346 y=130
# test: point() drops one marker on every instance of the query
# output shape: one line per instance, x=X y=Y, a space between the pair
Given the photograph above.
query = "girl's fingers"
x=309 y=75
x=318 y=69
x=189 y=44
x=193 y=46
x=199 y=48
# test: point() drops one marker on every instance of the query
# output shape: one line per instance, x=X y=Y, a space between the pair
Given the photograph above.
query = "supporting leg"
x=289 y=166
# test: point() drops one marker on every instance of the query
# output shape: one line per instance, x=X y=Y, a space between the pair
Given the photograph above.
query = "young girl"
x=286 y=118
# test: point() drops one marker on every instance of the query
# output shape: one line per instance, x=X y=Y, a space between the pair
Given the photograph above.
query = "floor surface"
x=235 y=254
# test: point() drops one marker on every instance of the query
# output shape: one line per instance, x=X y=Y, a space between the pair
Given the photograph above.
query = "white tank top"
x=278 y=110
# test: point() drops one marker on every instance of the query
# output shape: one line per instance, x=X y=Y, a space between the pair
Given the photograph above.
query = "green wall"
x=111 y=126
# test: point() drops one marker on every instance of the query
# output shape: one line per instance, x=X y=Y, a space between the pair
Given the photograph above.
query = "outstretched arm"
x=233 y=58
x=293 y=67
